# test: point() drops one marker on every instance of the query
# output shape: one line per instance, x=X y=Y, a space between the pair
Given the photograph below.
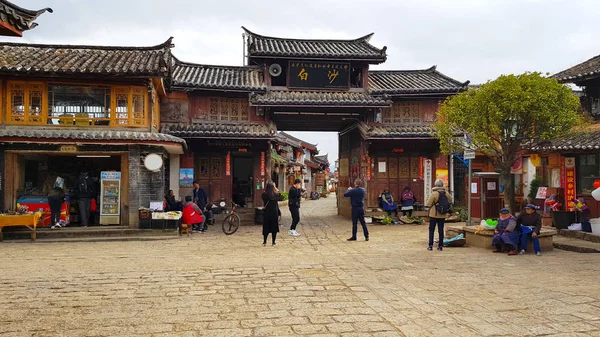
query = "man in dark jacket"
x=294 y=196
x=357 y=200
x=85 y=191
x=201 y=199
x=531 y=225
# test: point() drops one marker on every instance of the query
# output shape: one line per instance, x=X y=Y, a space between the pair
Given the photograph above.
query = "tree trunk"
x=509 y=187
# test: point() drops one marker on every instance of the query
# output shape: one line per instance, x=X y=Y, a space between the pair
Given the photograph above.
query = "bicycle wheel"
x=231 y=224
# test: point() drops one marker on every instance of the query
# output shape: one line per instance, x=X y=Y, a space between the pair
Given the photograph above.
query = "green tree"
x=503 y=115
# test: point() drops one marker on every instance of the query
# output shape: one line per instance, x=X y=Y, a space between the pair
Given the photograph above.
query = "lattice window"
x=228 y=109
x=25 y=104
x=138 y=106
x=204 y=168
x=216 y=168
x=403 y=167
x=405 y=113
x=393 y=166
x=415 y=169
x=122 y=106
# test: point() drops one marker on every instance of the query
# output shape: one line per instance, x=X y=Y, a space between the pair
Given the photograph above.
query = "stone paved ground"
x=314 y=285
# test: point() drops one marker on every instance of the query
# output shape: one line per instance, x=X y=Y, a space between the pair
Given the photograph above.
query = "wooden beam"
x=7 y=29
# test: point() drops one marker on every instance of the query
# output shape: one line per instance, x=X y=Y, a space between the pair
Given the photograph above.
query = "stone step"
x=580 y=235
x=575 y=245
x=79 y=232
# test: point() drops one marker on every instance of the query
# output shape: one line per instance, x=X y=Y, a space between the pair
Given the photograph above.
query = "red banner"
x=570 y=181
x=262 y=163
x=368 y=168
x=421 y=168
x=563 y=173
x=228 y=164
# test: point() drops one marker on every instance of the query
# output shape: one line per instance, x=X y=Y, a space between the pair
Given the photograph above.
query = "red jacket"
x=192 y=214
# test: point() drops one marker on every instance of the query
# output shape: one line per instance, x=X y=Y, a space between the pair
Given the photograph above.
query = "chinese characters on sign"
x=570 y=181
x=262 y=163
x=368 y=168
x=228 y=164
x=319 y=74
x=427 y=167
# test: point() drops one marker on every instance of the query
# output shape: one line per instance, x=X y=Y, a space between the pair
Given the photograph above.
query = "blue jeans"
x=527 y=231
x=440 y=225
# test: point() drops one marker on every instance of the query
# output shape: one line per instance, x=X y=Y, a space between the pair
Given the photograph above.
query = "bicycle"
x=231 y=223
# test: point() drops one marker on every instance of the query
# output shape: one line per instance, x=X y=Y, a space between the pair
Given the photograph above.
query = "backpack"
x=443 y=205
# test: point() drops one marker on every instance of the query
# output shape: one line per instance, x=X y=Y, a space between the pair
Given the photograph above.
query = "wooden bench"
x=23 y=220
x=483 y=239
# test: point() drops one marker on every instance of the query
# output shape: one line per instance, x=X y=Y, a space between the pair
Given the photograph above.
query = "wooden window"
x=130 y=106
x=25 y=103
x=228 y=109
x=403 y=112
x=76 y=105
x=80 y=105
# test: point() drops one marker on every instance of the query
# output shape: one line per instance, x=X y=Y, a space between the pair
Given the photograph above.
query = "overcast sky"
x=474 y=40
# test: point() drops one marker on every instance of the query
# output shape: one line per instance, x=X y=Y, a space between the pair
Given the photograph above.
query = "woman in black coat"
x=271 y=212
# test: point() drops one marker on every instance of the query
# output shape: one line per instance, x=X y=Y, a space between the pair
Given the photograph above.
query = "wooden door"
x=210 y=173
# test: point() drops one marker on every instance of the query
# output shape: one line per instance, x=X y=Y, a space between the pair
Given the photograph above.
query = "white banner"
x=427 y=176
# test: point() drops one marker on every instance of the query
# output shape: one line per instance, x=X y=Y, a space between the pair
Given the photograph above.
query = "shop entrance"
x=34 y=177
x=242 y=190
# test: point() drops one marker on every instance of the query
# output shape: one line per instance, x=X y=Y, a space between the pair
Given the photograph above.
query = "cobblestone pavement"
x=317 y=284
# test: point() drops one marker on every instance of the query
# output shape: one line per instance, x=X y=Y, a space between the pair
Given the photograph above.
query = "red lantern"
x=596 y=183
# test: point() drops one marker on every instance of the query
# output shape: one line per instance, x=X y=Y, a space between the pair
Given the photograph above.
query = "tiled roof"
x=293 y=141
x=57 y=133
x=311 y=164
x=398 y=82
x=275 y=47
x=581 y=71
x=220 y=130
x=198 y=76
x=20 y=18
x=316 y=98
x=323 y=159
x=580 y=141
x=372 y=131
x=20 y=58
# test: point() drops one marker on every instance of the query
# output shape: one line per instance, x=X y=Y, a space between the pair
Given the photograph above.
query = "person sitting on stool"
x=531 y=224
x=191 y=215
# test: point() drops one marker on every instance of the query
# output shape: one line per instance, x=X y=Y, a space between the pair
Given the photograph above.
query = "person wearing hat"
x=507 y=233
x=408 y=202
x=530 y=223
x=387 y=200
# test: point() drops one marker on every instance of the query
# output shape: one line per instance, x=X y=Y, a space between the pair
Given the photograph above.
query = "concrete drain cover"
x=314 y=273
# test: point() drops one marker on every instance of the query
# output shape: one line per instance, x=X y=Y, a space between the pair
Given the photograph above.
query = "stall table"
x=26 y=220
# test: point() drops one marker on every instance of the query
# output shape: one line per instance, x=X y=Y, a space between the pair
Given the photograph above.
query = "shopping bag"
x=93 y=206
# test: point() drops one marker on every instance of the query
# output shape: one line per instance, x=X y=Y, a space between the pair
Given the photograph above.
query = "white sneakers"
x=56 y=226
x=293 y=232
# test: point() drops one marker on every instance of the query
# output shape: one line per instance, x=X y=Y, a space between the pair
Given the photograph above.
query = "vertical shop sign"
x=570 y=180
x=228 y=164
x=420 y=168
x=262 y=163
x=368 y=168
x=427 y=168
x=563 y=173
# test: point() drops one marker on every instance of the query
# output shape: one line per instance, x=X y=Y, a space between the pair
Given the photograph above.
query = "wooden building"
x=383 y=117
x=71 y=109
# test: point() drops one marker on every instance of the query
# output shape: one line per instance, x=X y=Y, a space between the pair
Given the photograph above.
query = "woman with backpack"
x=439 y=206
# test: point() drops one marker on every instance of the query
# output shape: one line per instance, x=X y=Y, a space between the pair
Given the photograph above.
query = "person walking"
x=271 y=213
x=294 y=195
x=85 y=191
x=357 y=200
x=54 y=187
x=439 y=206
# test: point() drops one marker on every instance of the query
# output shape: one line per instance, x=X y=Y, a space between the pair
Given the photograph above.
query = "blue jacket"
x=357 y=197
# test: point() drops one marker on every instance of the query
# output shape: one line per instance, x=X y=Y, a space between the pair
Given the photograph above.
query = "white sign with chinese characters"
x=427 y=176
